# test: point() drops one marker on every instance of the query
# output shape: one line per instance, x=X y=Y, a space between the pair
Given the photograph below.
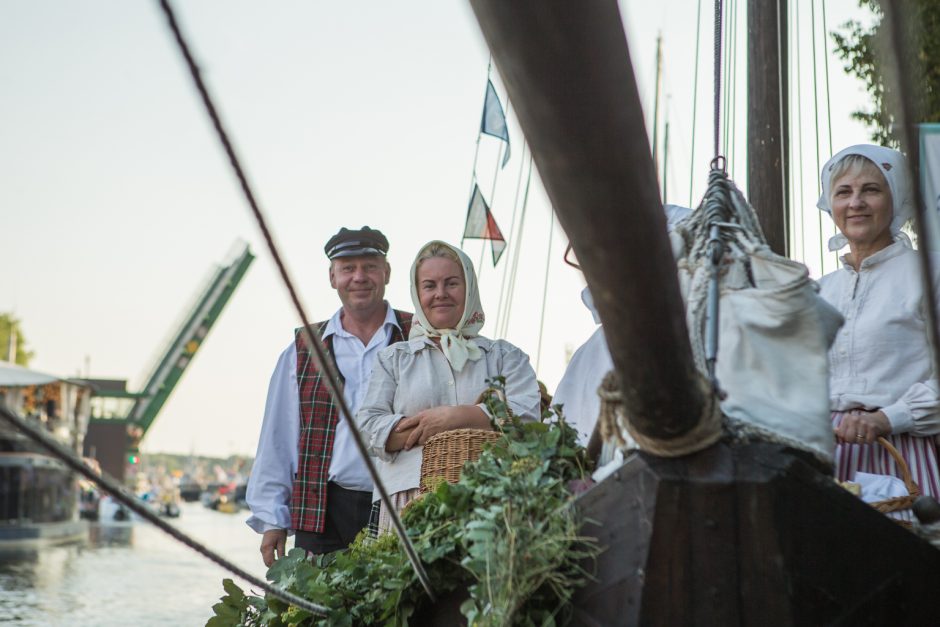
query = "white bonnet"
x=893 y=166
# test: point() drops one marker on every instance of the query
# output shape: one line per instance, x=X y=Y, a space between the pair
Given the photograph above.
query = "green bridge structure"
x=121 y=418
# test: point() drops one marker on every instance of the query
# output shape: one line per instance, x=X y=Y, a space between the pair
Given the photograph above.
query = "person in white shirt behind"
x=308 y=477
x=432 y=382
x=882 y=381
x=577 y=390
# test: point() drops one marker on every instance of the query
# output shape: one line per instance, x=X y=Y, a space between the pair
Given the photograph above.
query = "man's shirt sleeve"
x=270 y=483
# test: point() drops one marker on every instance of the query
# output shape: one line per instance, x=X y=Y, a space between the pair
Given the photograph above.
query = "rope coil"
x=614 y=423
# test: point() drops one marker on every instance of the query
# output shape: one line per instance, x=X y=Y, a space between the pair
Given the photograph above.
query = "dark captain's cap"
x=349 y=243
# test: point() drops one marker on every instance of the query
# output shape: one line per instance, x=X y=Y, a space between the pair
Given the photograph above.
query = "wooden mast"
x=579 y=107
x=767 y=122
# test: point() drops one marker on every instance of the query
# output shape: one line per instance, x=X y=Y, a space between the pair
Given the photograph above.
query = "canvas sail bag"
x=774 y=332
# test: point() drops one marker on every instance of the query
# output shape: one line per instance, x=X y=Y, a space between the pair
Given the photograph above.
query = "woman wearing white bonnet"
x=881 y=375
x=431 y=383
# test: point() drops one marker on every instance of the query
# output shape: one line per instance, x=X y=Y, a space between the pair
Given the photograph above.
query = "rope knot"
x=614 y=422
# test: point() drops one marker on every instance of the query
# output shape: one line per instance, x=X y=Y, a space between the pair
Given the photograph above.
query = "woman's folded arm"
x=376 y=418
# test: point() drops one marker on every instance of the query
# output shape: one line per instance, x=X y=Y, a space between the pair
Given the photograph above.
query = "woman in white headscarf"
x=882 y=381
x=431 y=383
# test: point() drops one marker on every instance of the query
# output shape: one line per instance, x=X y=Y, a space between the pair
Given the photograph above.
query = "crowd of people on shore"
x=408 y=377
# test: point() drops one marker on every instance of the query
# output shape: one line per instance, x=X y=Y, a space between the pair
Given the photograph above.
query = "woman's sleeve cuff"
x=899 y=415
x=380 y=437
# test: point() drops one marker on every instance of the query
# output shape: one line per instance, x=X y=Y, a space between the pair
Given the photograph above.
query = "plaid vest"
x=318 y=418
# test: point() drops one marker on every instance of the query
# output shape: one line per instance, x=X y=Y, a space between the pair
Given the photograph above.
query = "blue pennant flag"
x=494 y=120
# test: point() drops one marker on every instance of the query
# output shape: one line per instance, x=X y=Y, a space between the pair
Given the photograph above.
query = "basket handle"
x=500 y=394
x=912 y=487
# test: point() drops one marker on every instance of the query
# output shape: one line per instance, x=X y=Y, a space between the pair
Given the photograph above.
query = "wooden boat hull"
x=747 y=534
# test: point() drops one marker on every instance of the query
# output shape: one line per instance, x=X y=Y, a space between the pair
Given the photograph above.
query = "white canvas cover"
x=774 y=333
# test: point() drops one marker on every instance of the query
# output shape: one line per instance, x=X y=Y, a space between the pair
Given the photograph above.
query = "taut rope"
x=323 y=364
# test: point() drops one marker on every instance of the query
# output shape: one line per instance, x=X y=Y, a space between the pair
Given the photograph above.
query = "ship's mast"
x=768 y=122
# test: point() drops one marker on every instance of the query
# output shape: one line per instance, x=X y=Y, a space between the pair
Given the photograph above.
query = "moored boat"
x=38 y=493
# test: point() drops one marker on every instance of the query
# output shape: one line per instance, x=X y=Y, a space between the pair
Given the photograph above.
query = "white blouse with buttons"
x=881 y=357
x=412 y=376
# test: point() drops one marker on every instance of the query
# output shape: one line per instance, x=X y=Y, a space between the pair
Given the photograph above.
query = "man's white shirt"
x=270 y=484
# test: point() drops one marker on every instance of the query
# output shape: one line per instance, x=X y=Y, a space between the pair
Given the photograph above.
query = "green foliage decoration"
x=506 y=533
x=868 y=56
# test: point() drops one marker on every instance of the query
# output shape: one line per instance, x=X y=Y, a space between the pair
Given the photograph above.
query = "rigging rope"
x=112 y=487
x=812 y=23
x=548 y=259
x=515 y=259
x=731 y=75
x=799 y=130
x=666 y=152
x=828 y=102
x=512 y=234
x=324 y=365
x=734 y=93
x=726 y=82
x=714 y=209
x=826 y=62
x=698 y=32
x=784 y=140
x=717 y=120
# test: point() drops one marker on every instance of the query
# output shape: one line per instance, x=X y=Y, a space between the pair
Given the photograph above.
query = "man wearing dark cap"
x=308 y=477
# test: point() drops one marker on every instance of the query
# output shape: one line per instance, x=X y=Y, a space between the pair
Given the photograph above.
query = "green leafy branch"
x=506 y=533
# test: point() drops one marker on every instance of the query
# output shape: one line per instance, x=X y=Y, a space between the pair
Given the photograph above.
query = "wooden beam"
x=567 y=69
x=767 y=121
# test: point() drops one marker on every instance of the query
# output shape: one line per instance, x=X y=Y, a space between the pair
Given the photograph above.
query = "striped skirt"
x=919 y=453
x=381 y=522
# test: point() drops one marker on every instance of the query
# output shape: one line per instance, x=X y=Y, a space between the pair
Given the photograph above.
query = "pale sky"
x=116 y=198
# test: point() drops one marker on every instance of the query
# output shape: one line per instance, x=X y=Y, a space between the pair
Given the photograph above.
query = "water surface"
x=127 y=575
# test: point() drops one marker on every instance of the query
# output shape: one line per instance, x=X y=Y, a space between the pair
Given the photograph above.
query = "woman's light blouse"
x=412 y=376
x=881 y=357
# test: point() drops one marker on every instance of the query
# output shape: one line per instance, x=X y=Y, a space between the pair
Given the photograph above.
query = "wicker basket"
x=898 y=503
x=445 y=454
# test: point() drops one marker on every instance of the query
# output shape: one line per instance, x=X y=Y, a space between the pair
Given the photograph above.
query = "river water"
x=130 y=575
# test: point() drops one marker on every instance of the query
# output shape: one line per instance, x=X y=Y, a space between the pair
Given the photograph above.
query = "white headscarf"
x=893 y=167
x=457 y=343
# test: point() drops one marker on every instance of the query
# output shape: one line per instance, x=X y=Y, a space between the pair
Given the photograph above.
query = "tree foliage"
x=868 y=55
x=7 y=324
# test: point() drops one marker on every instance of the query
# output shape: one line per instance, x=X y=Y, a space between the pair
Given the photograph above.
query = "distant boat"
x=38 y=493
x=225 y=498
x=111 y=512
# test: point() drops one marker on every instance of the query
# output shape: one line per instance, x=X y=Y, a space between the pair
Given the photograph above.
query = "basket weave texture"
x=445 y=454
x=898 y=503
